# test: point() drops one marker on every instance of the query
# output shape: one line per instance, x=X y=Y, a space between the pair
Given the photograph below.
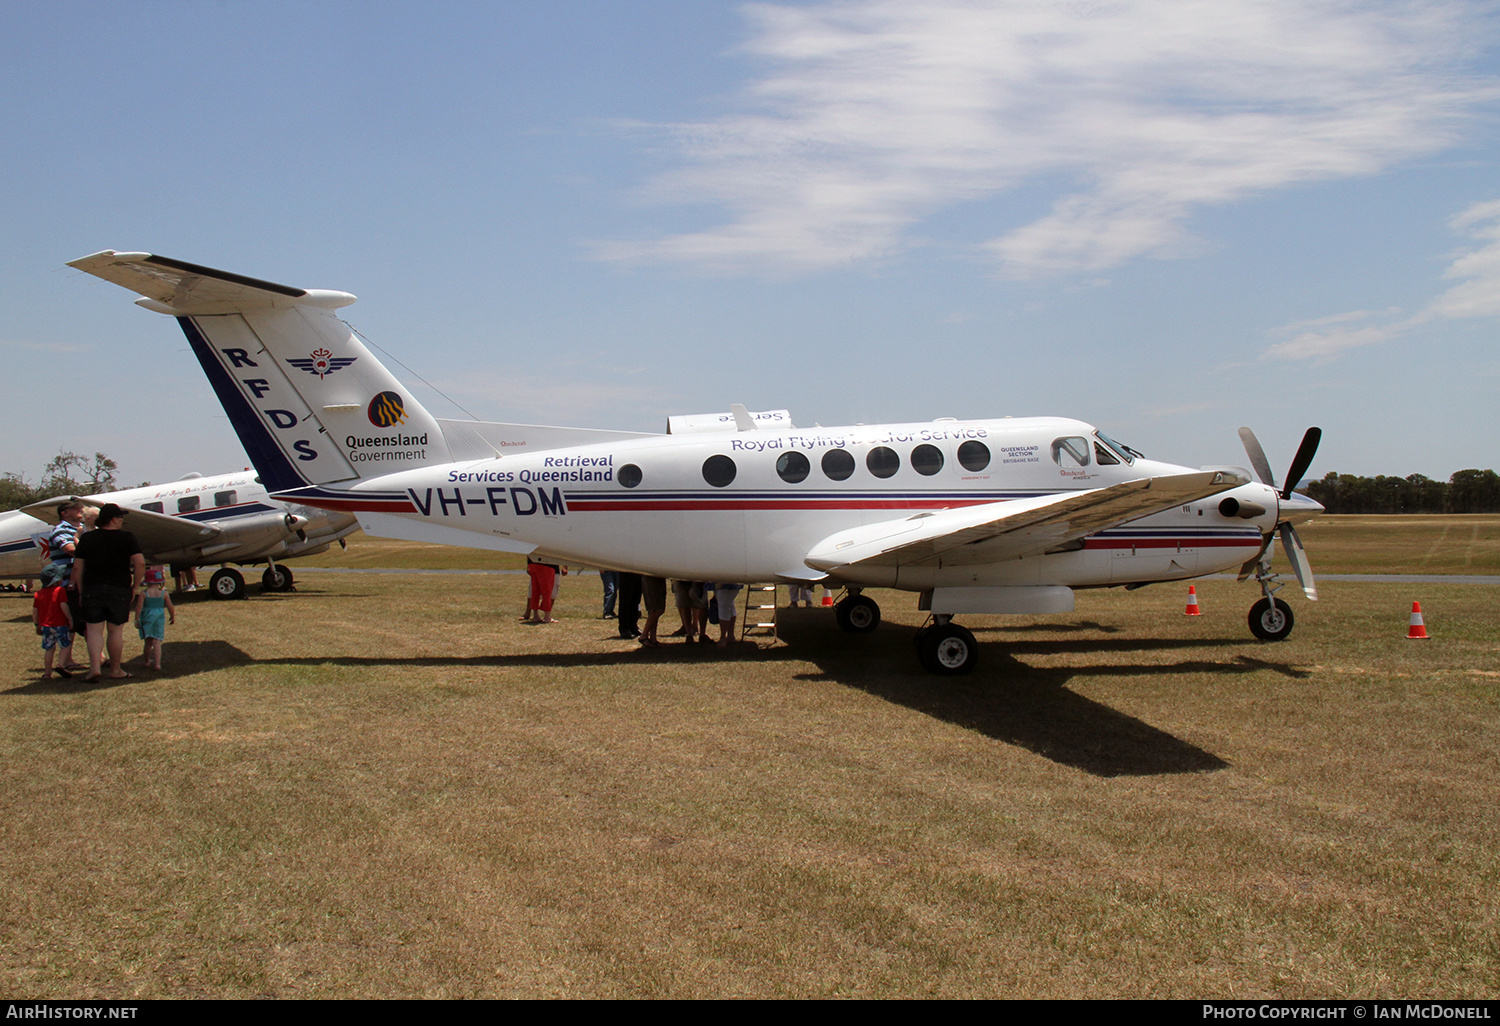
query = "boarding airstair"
x=760 y=610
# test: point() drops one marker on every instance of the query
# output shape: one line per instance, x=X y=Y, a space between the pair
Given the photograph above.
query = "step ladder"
x=760 y=609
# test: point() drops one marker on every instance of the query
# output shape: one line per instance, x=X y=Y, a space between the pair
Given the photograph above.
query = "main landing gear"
x=276 y=578
x=947 y=649
x=857 y=614
x=943 y=647
x=227 y=583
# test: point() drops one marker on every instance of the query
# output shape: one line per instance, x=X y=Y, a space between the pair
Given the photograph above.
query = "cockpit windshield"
x=1124 y=452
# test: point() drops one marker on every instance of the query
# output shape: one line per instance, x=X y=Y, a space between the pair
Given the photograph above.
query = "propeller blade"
x=1305 y=453
x=1298 y=557
x=1261 y=558
x=1257 y=456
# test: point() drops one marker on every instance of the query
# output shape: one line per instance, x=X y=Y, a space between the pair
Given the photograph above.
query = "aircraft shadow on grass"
x=182 y=659
x=1004 y=698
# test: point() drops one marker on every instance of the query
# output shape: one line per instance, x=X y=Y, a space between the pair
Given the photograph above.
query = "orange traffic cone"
x=1417 y=631
x=1192 y=606
x=827 y=597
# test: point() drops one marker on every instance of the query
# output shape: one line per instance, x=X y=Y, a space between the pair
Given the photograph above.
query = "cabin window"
x=838 y=464
x=1070 y=452
x=718 y=470
x=629 y=475
x=188 y=503
x=927 y=460
x=1104 y=457
x=224 y=498
x=974 y=456
x=883 y=461
x=151 y=507
x=792 y=467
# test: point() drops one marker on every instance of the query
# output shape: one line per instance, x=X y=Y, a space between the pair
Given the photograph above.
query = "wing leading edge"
x=1009 y=530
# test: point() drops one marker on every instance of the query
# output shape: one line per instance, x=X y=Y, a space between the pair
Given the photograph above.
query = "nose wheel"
x=1271 y=619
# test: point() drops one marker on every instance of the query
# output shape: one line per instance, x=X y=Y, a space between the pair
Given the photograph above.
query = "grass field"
x=383 y=785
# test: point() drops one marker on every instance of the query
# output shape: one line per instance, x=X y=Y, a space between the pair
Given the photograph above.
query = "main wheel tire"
x=1271 y=620
x=948 y=649
x=227 y=584
x=857 y=615
x=276 y=578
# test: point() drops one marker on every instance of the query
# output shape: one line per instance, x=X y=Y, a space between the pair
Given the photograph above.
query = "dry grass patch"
x=385 y=786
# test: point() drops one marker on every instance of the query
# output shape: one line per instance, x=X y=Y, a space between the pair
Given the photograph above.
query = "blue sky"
x=1166 y=218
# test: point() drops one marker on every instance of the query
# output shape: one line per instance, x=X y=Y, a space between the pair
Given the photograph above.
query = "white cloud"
x=1476 y=295
x=874 y=115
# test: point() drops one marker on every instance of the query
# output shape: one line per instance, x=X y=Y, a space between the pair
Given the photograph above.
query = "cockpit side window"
x=1103 y=456
x=1070 y=452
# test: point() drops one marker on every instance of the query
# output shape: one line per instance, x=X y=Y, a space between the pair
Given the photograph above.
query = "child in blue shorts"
x=54 y=622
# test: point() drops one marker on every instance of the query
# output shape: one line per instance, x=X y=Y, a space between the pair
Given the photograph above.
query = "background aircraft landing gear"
x=1271 y=620
x=857 y=615
x=227 y=583
x=276 y=578
x=946 y=648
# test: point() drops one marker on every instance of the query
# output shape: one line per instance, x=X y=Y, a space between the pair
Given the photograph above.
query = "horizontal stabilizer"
x=187 y=290
x=484 y=440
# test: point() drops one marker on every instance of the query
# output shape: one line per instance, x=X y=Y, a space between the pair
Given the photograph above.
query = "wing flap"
x=1010 y=530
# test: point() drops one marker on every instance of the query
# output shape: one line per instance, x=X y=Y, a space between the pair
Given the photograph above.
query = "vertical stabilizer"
x=311 y=404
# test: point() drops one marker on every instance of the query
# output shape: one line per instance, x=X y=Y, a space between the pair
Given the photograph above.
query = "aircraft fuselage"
x=750 y=505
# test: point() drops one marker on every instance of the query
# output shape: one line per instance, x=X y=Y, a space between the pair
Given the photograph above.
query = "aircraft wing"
x=997 y=531
x=155 y=532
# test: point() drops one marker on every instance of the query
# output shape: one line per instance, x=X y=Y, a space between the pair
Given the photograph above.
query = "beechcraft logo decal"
x=387 y=410
x=322 y=363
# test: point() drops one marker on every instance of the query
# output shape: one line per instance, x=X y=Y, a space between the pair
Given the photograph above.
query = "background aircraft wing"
x=1009 y=530
x=155 y=532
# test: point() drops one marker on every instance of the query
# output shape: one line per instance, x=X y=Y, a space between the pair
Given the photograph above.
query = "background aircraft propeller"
x=1289 y=539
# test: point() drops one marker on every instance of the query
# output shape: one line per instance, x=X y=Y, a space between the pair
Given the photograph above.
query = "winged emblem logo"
x=322 y=363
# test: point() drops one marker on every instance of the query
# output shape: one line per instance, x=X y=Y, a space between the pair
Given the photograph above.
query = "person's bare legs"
x=116 y=644
x=95 y=636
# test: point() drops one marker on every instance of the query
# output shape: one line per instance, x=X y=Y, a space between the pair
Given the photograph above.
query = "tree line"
x=67 y=474
x=1467 y=491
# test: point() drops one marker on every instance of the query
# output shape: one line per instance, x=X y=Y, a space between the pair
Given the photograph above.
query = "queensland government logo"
x=387 y=410
x=322 y=363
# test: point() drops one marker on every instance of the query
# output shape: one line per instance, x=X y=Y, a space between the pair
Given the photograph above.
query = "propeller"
x=1290 y=542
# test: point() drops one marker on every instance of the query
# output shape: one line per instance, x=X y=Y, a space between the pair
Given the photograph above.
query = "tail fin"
x=310 y=403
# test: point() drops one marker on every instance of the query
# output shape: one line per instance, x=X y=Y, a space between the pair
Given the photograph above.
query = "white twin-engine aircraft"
x=198 y=521
x=978 y=516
